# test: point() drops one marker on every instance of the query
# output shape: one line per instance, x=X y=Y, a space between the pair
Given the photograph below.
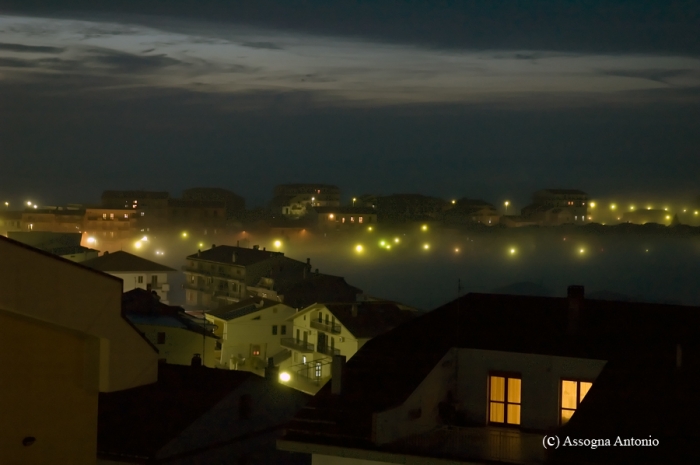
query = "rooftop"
x=124 y=261
x=244 y=256
x=242 y=308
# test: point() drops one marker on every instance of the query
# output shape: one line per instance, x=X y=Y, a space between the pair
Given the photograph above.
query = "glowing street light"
x=353 y=201
x=456 y=249
x=278 y=244
x=426 y=246
x=512 y=251
x=592 y=204
x=613 y=206
x=359 y=248
x=35 y=206
x=369 y=228
x=91 y=240
x=454 y=202
x=285 y=377
x=581 y=251
x=424 y=227
x=506 y=203
x=382 y=243
x=397 y=240
x=184 y=234
x=7 y=204
x=138 y=244
x=29 y=203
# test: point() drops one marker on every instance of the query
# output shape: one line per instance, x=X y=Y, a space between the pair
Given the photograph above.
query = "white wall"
x=541 y=377
x=131 y=282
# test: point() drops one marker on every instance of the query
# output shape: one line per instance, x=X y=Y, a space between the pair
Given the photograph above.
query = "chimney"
x=316 y=271
x=308 y=262
x=213 y=246
x=235 y=256
x=575 y=296
x=263 y=249
x=272 y=372
x=196 y=361
x=679 y=357
x=106 y=253
x=338 y=374
x=256 y=247
x=353 y=310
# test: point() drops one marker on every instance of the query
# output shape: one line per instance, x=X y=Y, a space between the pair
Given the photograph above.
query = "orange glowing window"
x=572 y=393
x=504 y=399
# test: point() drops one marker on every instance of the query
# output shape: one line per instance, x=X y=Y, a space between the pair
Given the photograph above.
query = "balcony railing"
x=296 y=344
x=328 y=327
x=328 y=350
x=193 y=269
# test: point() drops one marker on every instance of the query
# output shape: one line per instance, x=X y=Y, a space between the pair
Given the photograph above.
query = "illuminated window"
x=360 y=219
x=343 y=221
x=352 y=219
x=504 y=399
x=126 y=215
x=104 y=216
x=111 y=216
x=256 y=351
x=318 y=370
x=572 y=393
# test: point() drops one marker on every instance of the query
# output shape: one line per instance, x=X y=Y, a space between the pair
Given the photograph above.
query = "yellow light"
x=668 y=217
x=424 y=227
x=29 y=203
x=369 y=229
x=457 y=249
x=512 y=251
x=426 y=246
x=592 y=204
x=683 y=209
x=90 y=240
x=388 y=247
x=144 y=238
x=649 y=207
x=581 y=250
x=278 y=244
x=138 y=244
x=34 y=206
x=358 y=248
x=613 y=206
x=695 y=213
x=506 y=203
x=632 y=207
x=201 y=244
x=396 y=240
x=354 y=199
x=665 y=208
x=284 y=377
x=331 y=216
x=454 y=202
x=382 y=243
x=184 y=234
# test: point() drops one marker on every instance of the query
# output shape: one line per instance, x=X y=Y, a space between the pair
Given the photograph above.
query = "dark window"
x=140 y=279
x=274 y=330
x=320 y=317
x=283 y=329
x=161 y=338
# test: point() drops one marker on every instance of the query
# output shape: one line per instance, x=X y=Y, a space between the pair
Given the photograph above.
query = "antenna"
x=459 y=287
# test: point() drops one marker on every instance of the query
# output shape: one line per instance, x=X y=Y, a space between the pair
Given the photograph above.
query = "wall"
x=540 y=389
x=131 y=282
x=397 y=423
x=181 y=344
x=48 y=390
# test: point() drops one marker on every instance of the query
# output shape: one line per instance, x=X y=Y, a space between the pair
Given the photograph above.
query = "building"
x=10 y=221
x=65 y=245
x=63 y=340
x=295 y=200
x=557 y=206
x=112 y=224
x=250 y=333
x=54 y=219
x=135 y=272
x=153 y=204
x=343 y=218
x=401 y=208
x=226 y=274
x=472 y=211
x=234 y=204
x=321 y=331
x=208 y=216
x=196 y=415
x=487 y=378
x=178 y=336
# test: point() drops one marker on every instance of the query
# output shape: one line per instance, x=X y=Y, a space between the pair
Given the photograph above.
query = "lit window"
x=360 y=219
x=126 y=215
x=504 y=399
x=343 y=221
x=318 y=370
x=352 y=219
x=572 y=393
x=256 y=351
x=111 y=216
x=104 y=216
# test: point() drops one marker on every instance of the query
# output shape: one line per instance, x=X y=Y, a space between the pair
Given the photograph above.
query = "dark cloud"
x=16 y=63
x=657 y=75
x=131 y=63
x=263 y=45
x=30 y=48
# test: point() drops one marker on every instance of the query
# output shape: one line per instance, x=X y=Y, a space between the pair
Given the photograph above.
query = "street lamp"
x=7 y=204
x=506 y=204
x=353 y=201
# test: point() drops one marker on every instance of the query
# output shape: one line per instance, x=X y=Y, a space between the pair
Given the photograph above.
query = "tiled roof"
x=242 y=308
x=124 y=261
x=400 y=359
x=224 y=254
x=372 y=318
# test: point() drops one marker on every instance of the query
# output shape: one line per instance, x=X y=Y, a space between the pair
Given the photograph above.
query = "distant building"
x=112 y=224
x=487 y=378
x=343 y=218
x=643 y=216
x=318 y=287
x=154 y=204
x=54 y=219
x=295 y=200
x=472 y=211
x=250 y=333
x=177 y=335
x=234 y=204
x=63 y=340
x=64 y=245
x=205 y=215
x=135 y=272
x=321 y=331
x=196 y=415
x=401 y=208
x=557 y=206
x=10 y=221
x=226 y=274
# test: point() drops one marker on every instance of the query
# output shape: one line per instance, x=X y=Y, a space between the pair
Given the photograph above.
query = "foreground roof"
x=123 y=261
x=372 y=318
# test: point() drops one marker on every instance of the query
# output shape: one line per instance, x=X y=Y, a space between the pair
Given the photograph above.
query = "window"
x=317 y=372
x=572 y=393
x=343 y=220
x=104 y=216
x=504 y=399
x=192 y=278
x=274 y=330
x=352 y=219
x=140 y=279
x=111 y=216
x=154 y=280
x=161 y=338
x=283 y=329
x=126 y=215
x=256 y=351
x=320 y=317
x=360 y=219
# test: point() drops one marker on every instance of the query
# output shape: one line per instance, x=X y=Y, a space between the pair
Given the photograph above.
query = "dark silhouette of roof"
x=400 y=359
x=244 y=256
x=319 y=287
x=124 y=261
x=242 y=308
x=346 y=209
x=371 y=318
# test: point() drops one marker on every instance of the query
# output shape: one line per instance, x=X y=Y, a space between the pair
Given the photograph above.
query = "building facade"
x=343 y=218
x=551 y=207
x=296 y=200
x=153 y=204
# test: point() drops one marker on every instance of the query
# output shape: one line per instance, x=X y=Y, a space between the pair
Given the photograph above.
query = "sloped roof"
x=244 y=256
x=372 y=319
x=123 y=261
x=242 y=308
x=400 y=359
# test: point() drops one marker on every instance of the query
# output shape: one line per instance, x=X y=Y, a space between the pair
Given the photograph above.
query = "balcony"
x=297 y=344
x=327 y=350
x=195 y=270
x=327 y=327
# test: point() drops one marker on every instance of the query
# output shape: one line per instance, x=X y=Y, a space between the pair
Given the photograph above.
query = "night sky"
x=483 y=99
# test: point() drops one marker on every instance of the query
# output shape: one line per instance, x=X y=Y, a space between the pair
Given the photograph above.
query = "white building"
x=135 y=272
